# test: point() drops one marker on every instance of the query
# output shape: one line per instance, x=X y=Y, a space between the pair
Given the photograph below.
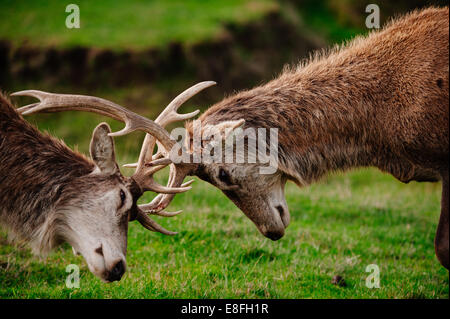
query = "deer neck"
x=324 y=116
x=328 y=126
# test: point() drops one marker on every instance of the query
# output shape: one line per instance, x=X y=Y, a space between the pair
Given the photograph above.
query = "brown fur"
x=380 y=100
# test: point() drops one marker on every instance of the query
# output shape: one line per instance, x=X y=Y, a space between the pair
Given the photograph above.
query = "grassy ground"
x=127 y=25
x=338 y=227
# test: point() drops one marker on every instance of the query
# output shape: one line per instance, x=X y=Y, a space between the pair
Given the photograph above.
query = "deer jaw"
x=266 y=207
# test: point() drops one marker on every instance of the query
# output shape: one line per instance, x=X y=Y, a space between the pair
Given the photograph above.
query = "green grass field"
x=338 y=227
x=117 y=25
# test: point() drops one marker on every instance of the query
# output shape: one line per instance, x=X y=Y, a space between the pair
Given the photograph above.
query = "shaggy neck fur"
x=363 y=104
x=35 y=169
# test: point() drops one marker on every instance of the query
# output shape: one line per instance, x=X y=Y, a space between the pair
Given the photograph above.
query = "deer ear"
x=102 y=149
x=227 y=127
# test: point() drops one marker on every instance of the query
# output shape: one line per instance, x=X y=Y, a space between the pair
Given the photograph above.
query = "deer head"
x=94 y=209
x=258 y=192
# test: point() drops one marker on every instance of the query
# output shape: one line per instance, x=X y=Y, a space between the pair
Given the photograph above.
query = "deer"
x=380 y=101
x=50 y=194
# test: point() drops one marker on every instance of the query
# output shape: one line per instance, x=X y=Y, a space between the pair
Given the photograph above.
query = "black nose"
x=274 y=235
x=117 y=272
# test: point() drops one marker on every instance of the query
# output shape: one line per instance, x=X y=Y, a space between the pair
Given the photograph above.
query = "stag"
x=50 y=194
x=379 y=101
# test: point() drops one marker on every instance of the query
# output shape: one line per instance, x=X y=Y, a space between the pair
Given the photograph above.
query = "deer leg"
x=441 y=241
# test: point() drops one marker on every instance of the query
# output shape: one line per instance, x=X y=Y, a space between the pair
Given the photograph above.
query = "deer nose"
x=274 y=235
x=284 y=215
x=117 y=271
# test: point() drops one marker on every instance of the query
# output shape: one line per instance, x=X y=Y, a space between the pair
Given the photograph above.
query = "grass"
x=317 y=15
x=338 y=227
x=118 y=25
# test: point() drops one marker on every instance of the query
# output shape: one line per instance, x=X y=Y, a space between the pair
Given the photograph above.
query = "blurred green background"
x=141 y=54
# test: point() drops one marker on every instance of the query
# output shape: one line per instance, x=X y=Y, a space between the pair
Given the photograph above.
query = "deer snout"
x=284 y=214
x=275 y=227
x=116 y=272
x=113 y=268
x=273 y=230
x=274 y=235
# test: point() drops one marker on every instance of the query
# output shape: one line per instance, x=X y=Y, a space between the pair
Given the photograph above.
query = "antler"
x=51 y=102
x=177 y=171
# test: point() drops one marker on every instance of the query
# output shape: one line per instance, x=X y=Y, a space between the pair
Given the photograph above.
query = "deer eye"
x=122 y=198
x=224 y=177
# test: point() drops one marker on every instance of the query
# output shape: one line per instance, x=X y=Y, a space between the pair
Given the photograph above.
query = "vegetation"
x=119 y=25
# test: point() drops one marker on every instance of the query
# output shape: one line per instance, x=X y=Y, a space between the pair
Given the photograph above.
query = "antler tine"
x=157 y=156
x=164 y=199
x=167 y=214
x=144 y=166
x=161 y=161
x=161 y=201
x=170 y=115
x=51 y=102
x=151 y=185
x=150 y=224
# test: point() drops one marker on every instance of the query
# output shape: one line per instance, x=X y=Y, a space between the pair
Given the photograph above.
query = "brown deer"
x=380 y=101
x=50 y=194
